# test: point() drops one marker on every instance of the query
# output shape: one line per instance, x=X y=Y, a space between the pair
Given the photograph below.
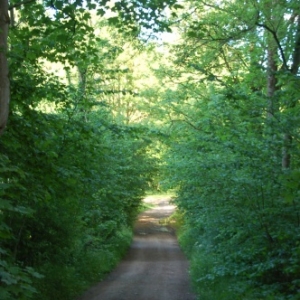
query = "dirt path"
x=154 y=268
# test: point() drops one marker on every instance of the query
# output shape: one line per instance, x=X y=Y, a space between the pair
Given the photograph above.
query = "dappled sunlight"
x=158 y=199
x=165 y=207
x=147 y=219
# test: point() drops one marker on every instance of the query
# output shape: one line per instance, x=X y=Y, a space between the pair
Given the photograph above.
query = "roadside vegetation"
x=74 y=160
x=233 y=156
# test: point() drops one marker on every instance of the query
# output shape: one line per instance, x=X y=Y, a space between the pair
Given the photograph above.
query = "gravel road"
x=154 y=268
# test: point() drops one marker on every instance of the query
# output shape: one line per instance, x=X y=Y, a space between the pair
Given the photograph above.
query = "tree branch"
x=185 y=121
x=277 y=42
x=21 y=3
x=296 y=54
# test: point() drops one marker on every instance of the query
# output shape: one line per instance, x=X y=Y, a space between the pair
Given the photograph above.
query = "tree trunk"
x=82 y=90
x=272 y=99
x=272 y=68
x=287 y=138
x=272 y=80
x=4 y=81
x=286 y=156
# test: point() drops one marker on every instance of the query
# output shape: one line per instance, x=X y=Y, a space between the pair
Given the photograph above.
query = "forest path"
x=154 y=268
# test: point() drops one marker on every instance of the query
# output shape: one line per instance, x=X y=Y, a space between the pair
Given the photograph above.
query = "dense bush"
x=240 y=207
x=233 y=119
x=70 y=199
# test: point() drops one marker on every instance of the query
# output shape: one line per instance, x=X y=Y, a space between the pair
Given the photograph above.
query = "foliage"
x=228 y=125
x=72 y=175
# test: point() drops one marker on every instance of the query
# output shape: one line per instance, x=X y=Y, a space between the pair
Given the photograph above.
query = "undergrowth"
x=67 y=280
x=209 y=272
